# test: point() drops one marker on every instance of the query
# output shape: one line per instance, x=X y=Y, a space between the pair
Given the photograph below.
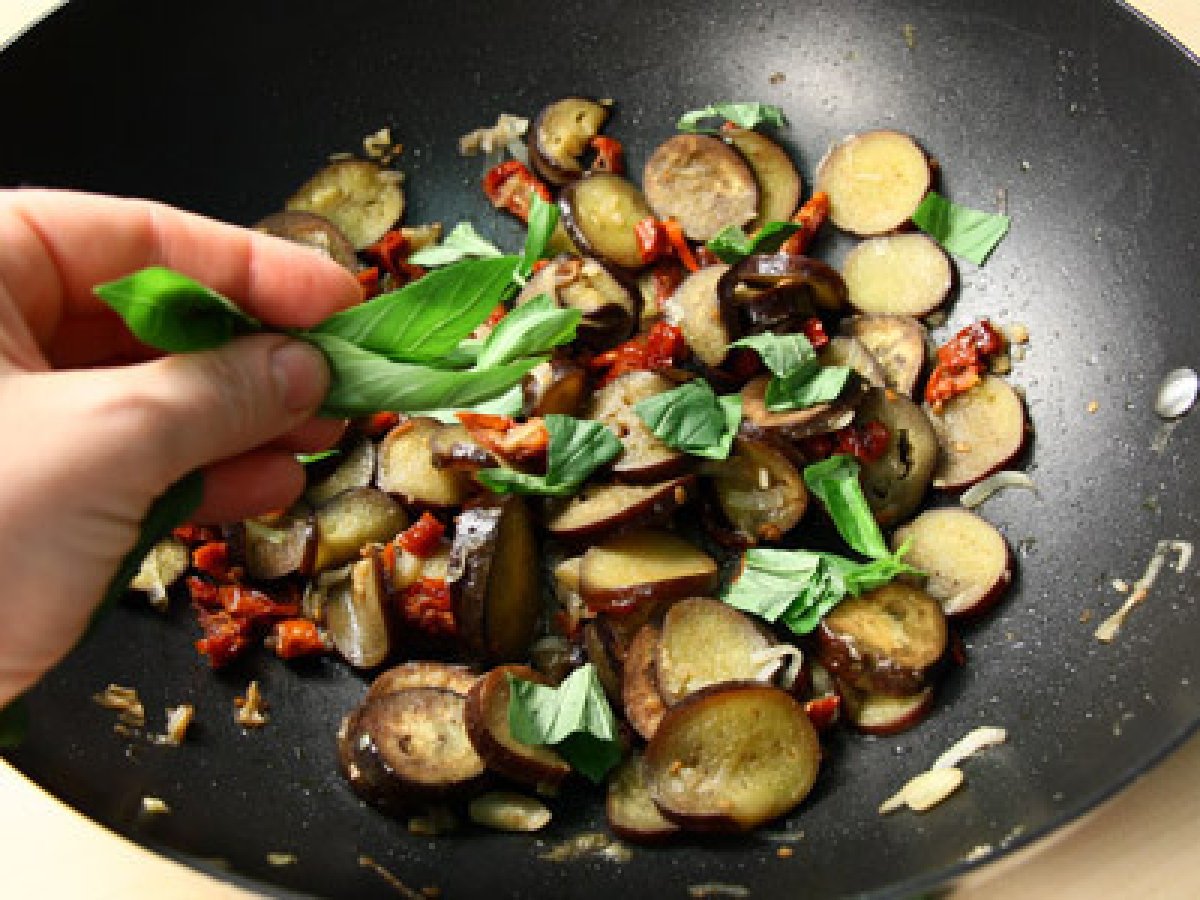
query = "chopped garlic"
x=490 y=139
x=282 y=859
x=155 y=806
x=125 y=701
x=508 y=811
x=924 y=791
x=251 y=709
x=179 y=719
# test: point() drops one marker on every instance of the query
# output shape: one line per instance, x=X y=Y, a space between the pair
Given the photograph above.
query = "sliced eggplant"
x=800 y=423
x=758 y=488
x=599 y=510
x=884 y=641
x=640 y=697
x=884 y=714
x=897 y=342
x=354 y=468
x=165 y=564
x=560 y=135
x=608 y=302
x=848 y=351
x=706 y=642
x=631 y=812
x=311 y=230
x=803 y=282
x=453 y=447
x=644 y=458
x=356 y=613
x=701 y=182
x=599 y=654
x=732 y=758
x=779 y=184
x=409 y=747
x=278 y=548
x=423 y=674
x=487 y=726
x=899 y=274
x=875 y=181
x=407 y=468
x=352 y=520
x=555 y=387
x=639 y=567
x=978 y=432
x=493 y=579
x=599 y=212
x=967 y=562
x=364 y=200
x=696 y=308
x=896 y=483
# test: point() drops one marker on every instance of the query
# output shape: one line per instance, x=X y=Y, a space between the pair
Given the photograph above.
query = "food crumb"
x=1017 y=333
x=179 y=719
x=250 y=711
x=281 y=859
x=125 y=701
x=909 y=31
x=785 y=852
x=776 y=78
x=1093 y=406
x=1120 y=585
x=494 y=138
x=1085 y=617
x=977 y=852
x=1025 y=166
x=155 y=806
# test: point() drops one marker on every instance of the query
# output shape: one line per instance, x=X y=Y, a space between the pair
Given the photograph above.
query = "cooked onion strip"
x=976 y=494
x=770 y=658
x=978 y=739
x=1141 y=588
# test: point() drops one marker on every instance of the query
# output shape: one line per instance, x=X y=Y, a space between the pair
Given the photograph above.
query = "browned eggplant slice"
x=805 y=283
x=885 y=641
x=799 y=423
x=556 y=387
x=758 y=488
x=899 y=274
x=423 y=674
x=875 y=181
x=493 y=579
x=278 y=548
x=884 y=714
x=631 y=812
x=560 y=135
x=897 y=342
x=452 y=447
x=356 y=613
x=407 y=468
x=707 y=322
x=645 y=458
x=487 y=726
x=639 y=567
x=311 y=230
x=354 y=468
x=599 y=212
x=848 y=351
x=640 y=697
x=599 y=510
x=599 y=654
x=706 y=642
x=351 y=520
x=362 y=199
x=896 y=483
x=702 y=183
x=779 y=184
x=608 y=302
x=979 y=432
x=732 y=758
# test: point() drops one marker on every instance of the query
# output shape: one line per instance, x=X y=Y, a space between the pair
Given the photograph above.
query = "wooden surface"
x=1141 y=844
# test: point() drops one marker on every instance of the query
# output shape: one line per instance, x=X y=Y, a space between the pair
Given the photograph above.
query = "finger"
x=249 y=485
x=313 y=436
x=55 y=246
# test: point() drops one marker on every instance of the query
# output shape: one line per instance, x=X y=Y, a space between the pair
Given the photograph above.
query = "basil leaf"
x=732 y=245
x=509 y=403
x=821 y=384
x=835 y=482
x=528 y=330
x=14 y=722
x=966 y=232
x=574 y=718
x=426 y=319
x=363 y=382
x=461 y=243
x=174 y=313
x=307 y=459
x=745 y=115
x=786 y=355
x=543 y=219
x=577 y=448
x=692 y=418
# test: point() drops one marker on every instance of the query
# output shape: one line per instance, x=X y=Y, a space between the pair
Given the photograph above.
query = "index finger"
x=55 y=246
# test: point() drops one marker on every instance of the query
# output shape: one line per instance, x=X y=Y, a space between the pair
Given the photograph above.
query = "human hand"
x=96 y=427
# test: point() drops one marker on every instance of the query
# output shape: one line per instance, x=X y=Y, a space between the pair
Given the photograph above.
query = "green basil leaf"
x=745 y=115
x=363 y=382
x=530 y=329
x=732 y=245
x=835 y=483
x=543 y=219
x=461 y=243
x=174 y=313
x=14 y=722
x=823 y=384
x=307 y=459
x=577 y=448
x=427 y=318
x=786 y=355
x=966 y=232
x=692 y=418
x=509 y=403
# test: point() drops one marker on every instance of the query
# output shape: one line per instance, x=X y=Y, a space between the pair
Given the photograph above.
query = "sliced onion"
x=978 y=739
x=976 y=494
x=1108 y=629
x=770 y=657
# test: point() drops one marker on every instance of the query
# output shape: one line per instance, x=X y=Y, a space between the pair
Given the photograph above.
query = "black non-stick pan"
x=1078 y=112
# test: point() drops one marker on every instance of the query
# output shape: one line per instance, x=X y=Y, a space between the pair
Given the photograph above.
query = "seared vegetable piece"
x=560 y=135
x=161 y=567
x=355 y=467
x=361 y=198
x=779 y=183
x=978 y=432
x=968 y=563
x=453 y=447
x=423 y=674
x=799 y=423
x=603 y=509
x=350 y=520
x=884 y=641
x=555 y=387
x=641 y=566
x=874 y=180
x=487 y=725
x=731 y=758
x=758 y=488
x=311 y=230
x=883 y=714
x=355 y=613
x=631 y=813
x=812 y=282
x=701 y=182
x=900 y=274
x=407 y=468
x=643 y=701
x=706 y=642
x=277 y=548
x=493 y=579
x=599 y=212
x=609 y=304
x=707 y=322
x=600 y=654
x=848 y=351
x=898 y=342
x=644 y=457
x=895 y=484
x=409 y=747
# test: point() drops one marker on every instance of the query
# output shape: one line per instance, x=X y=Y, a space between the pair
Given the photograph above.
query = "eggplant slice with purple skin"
x=311 y=230
x=698 y=309
x=599 y=213
x=875 y=181
x=560 y=135
x=407 y=468
x=897 y=482
x=701 y=182
x=607 y=300
x=350 y=521
x=277 y=548
x=644 y=458
x=363 y=199
x=558 y=386
x=779 y=184
x=356 y=612
x=603 y=509
x=758 y=487
x=816 y=282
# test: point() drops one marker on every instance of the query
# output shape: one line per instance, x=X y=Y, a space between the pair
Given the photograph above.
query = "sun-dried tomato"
x=519 y=443
x=823 y=711
x=226 y=637
x=378 y=424
x=658 y=350
x=679 y=245
x=961 y=360
x=866 y=442
x=809 y=217
x=610 y=155
x=426 y=605
x=298 y=637
x=195 y=534
x=368 y=280
x=651 y=239
x=509 y=185
x=667 y=275
x=423 y=537
x=814 y=329
x=212 y=559
x=253 y=605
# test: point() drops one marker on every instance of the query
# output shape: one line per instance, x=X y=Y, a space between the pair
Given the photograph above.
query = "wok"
x=1082 y=114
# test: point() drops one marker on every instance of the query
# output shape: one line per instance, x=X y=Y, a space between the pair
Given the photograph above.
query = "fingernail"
x=301 y=374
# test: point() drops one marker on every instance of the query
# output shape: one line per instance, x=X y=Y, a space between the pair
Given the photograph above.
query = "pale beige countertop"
x=1143 y=843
